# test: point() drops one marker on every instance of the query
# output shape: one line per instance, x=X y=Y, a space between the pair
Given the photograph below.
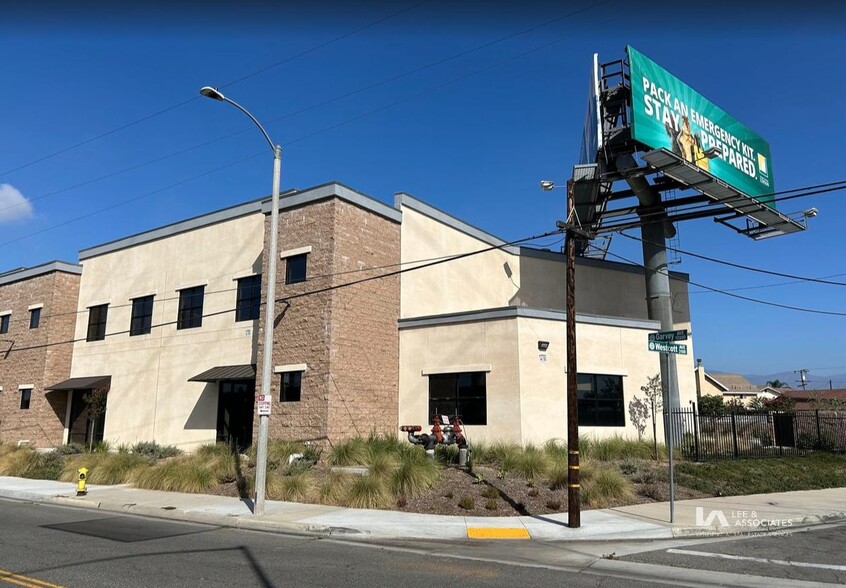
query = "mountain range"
x=792 y=380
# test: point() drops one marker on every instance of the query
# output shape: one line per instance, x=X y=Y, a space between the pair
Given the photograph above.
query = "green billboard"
x=669 y=114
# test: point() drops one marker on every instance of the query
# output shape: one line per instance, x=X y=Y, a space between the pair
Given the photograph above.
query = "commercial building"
x=37 y=318
x=370 y=333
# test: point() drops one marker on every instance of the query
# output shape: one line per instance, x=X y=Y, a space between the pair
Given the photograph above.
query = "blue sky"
x=475 y=148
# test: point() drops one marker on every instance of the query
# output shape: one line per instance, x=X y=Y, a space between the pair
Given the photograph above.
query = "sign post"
x=660 y=342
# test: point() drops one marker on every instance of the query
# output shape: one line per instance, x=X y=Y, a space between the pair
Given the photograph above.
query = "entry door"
x=81 y=431
x=235 y=405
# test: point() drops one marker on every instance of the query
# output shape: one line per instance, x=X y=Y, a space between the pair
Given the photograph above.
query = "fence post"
x=696 y=433
x=734 y=435
x=819 y=432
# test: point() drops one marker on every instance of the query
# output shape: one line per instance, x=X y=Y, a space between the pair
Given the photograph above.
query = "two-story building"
x=376 y=325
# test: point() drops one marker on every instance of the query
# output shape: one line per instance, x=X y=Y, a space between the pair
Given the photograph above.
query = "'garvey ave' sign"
x=680 y=335
x=668 y=347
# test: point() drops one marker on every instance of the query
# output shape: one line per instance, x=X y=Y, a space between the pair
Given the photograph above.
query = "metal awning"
x=86 y=383
x=226 y=372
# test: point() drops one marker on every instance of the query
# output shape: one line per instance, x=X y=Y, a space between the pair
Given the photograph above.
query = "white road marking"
x=781 y=562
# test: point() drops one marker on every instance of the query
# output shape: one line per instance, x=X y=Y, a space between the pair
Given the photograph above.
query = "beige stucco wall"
x=150 y=396
x=526 y=396
x=498 y=278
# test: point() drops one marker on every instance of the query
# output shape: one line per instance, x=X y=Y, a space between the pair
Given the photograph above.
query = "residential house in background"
x=37 y=318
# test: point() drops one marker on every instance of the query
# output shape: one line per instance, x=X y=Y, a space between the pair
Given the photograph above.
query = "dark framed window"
x=142 y=316
x=248 y=303
x=190 y=308
x=295 y=268
x=26 y=396
x=4 y=323
x=97 y=322
x=292 y=383
x=34 y=318
x=462 y=394
x=601 y=401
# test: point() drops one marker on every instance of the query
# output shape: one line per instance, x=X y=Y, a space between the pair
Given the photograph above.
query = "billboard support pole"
x=654 y=231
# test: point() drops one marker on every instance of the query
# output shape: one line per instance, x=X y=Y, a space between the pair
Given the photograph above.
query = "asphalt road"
x=48 y=546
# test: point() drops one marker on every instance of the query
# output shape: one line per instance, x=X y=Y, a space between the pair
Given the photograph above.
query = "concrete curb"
x=241 y=521
x=233 y=521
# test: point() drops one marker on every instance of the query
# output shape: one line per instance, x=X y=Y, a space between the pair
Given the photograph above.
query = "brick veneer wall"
x=47 y=362
x=347 y=337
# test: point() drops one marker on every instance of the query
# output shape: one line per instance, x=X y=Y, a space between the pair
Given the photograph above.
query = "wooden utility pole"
x=573 y=486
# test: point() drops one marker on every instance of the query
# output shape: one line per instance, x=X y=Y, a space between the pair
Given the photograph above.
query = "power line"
x=231 y=83
x=737 y=265
x=44 y=317
x=762 y=286
x=738 y=296
x=313 y=134
x=323 y=290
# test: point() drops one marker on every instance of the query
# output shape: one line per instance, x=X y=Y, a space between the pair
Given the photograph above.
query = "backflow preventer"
x=443 y=433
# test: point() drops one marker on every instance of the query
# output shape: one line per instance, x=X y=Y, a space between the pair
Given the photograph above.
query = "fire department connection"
x=443 y=433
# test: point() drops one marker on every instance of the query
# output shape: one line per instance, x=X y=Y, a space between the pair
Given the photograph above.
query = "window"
x=97 y=322
x=34 y=318
x=142 y=316
x=4 y=323
x=26 y=396
x=291 y=386
x=248 y=303
x=295 y=269
x=464 y=395
x=190 y=308
x=600 y=401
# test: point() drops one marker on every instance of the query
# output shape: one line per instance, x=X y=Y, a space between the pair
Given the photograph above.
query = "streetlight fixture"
x=267 y=355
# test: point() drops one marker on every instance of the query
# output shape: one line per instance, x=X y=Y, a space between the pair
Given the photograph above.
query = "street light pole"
x=270 y=306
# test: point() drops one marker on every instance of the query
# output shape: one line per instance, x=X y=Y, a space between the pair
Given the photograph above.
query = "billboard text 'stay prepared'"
x=669 y=114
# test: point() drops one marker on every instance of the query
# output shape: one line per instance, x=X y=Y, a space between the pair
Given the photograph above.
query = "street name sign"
x=668 y=347
x=680 y=335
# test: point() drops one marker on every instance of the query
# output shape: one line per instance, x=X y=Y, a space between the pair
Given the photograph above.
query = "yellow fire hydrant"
x=81 y=490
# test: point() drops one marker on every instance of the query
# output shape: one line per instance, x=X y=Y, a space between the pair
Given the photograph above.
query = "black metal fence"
x=755 y=434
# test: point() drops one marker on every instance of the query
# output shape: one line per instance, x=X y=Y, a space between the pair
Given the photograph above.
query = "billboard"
x=592 y=134
x=669 y=114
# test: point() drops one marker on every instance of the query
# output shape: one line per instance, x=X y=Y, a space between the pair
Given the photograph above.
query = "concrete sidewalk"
x=704 y=517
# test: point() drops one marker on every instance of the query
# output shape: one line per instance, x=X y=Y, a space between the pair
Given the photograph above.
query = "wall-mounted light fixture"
x=543 y=345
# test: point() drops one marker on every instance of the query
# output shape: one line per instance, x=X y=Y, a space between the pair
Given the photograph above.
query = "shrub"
x=116 y=468
x=558 y=474
x=446 y=453
x=183 y=475
x=220 y=458
x=335 y=488
x=101 y=447
x=491 y=504
x=414 y=476
x=490 y=492
x=629 y=467
x=295 y=488
x=350 y=452
x=278 y=452
x=480 y=453
x=532 y=463
x=154 y=450
x=555 y=449
x=368 y=491
x=506 y=455
x=449 y=495
x=605 y=486
x=71 y=449
x=381 y=463
x=312 y=453
x=73 y=463
x=553 y=505
x=466 y=502
x=617 y=448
